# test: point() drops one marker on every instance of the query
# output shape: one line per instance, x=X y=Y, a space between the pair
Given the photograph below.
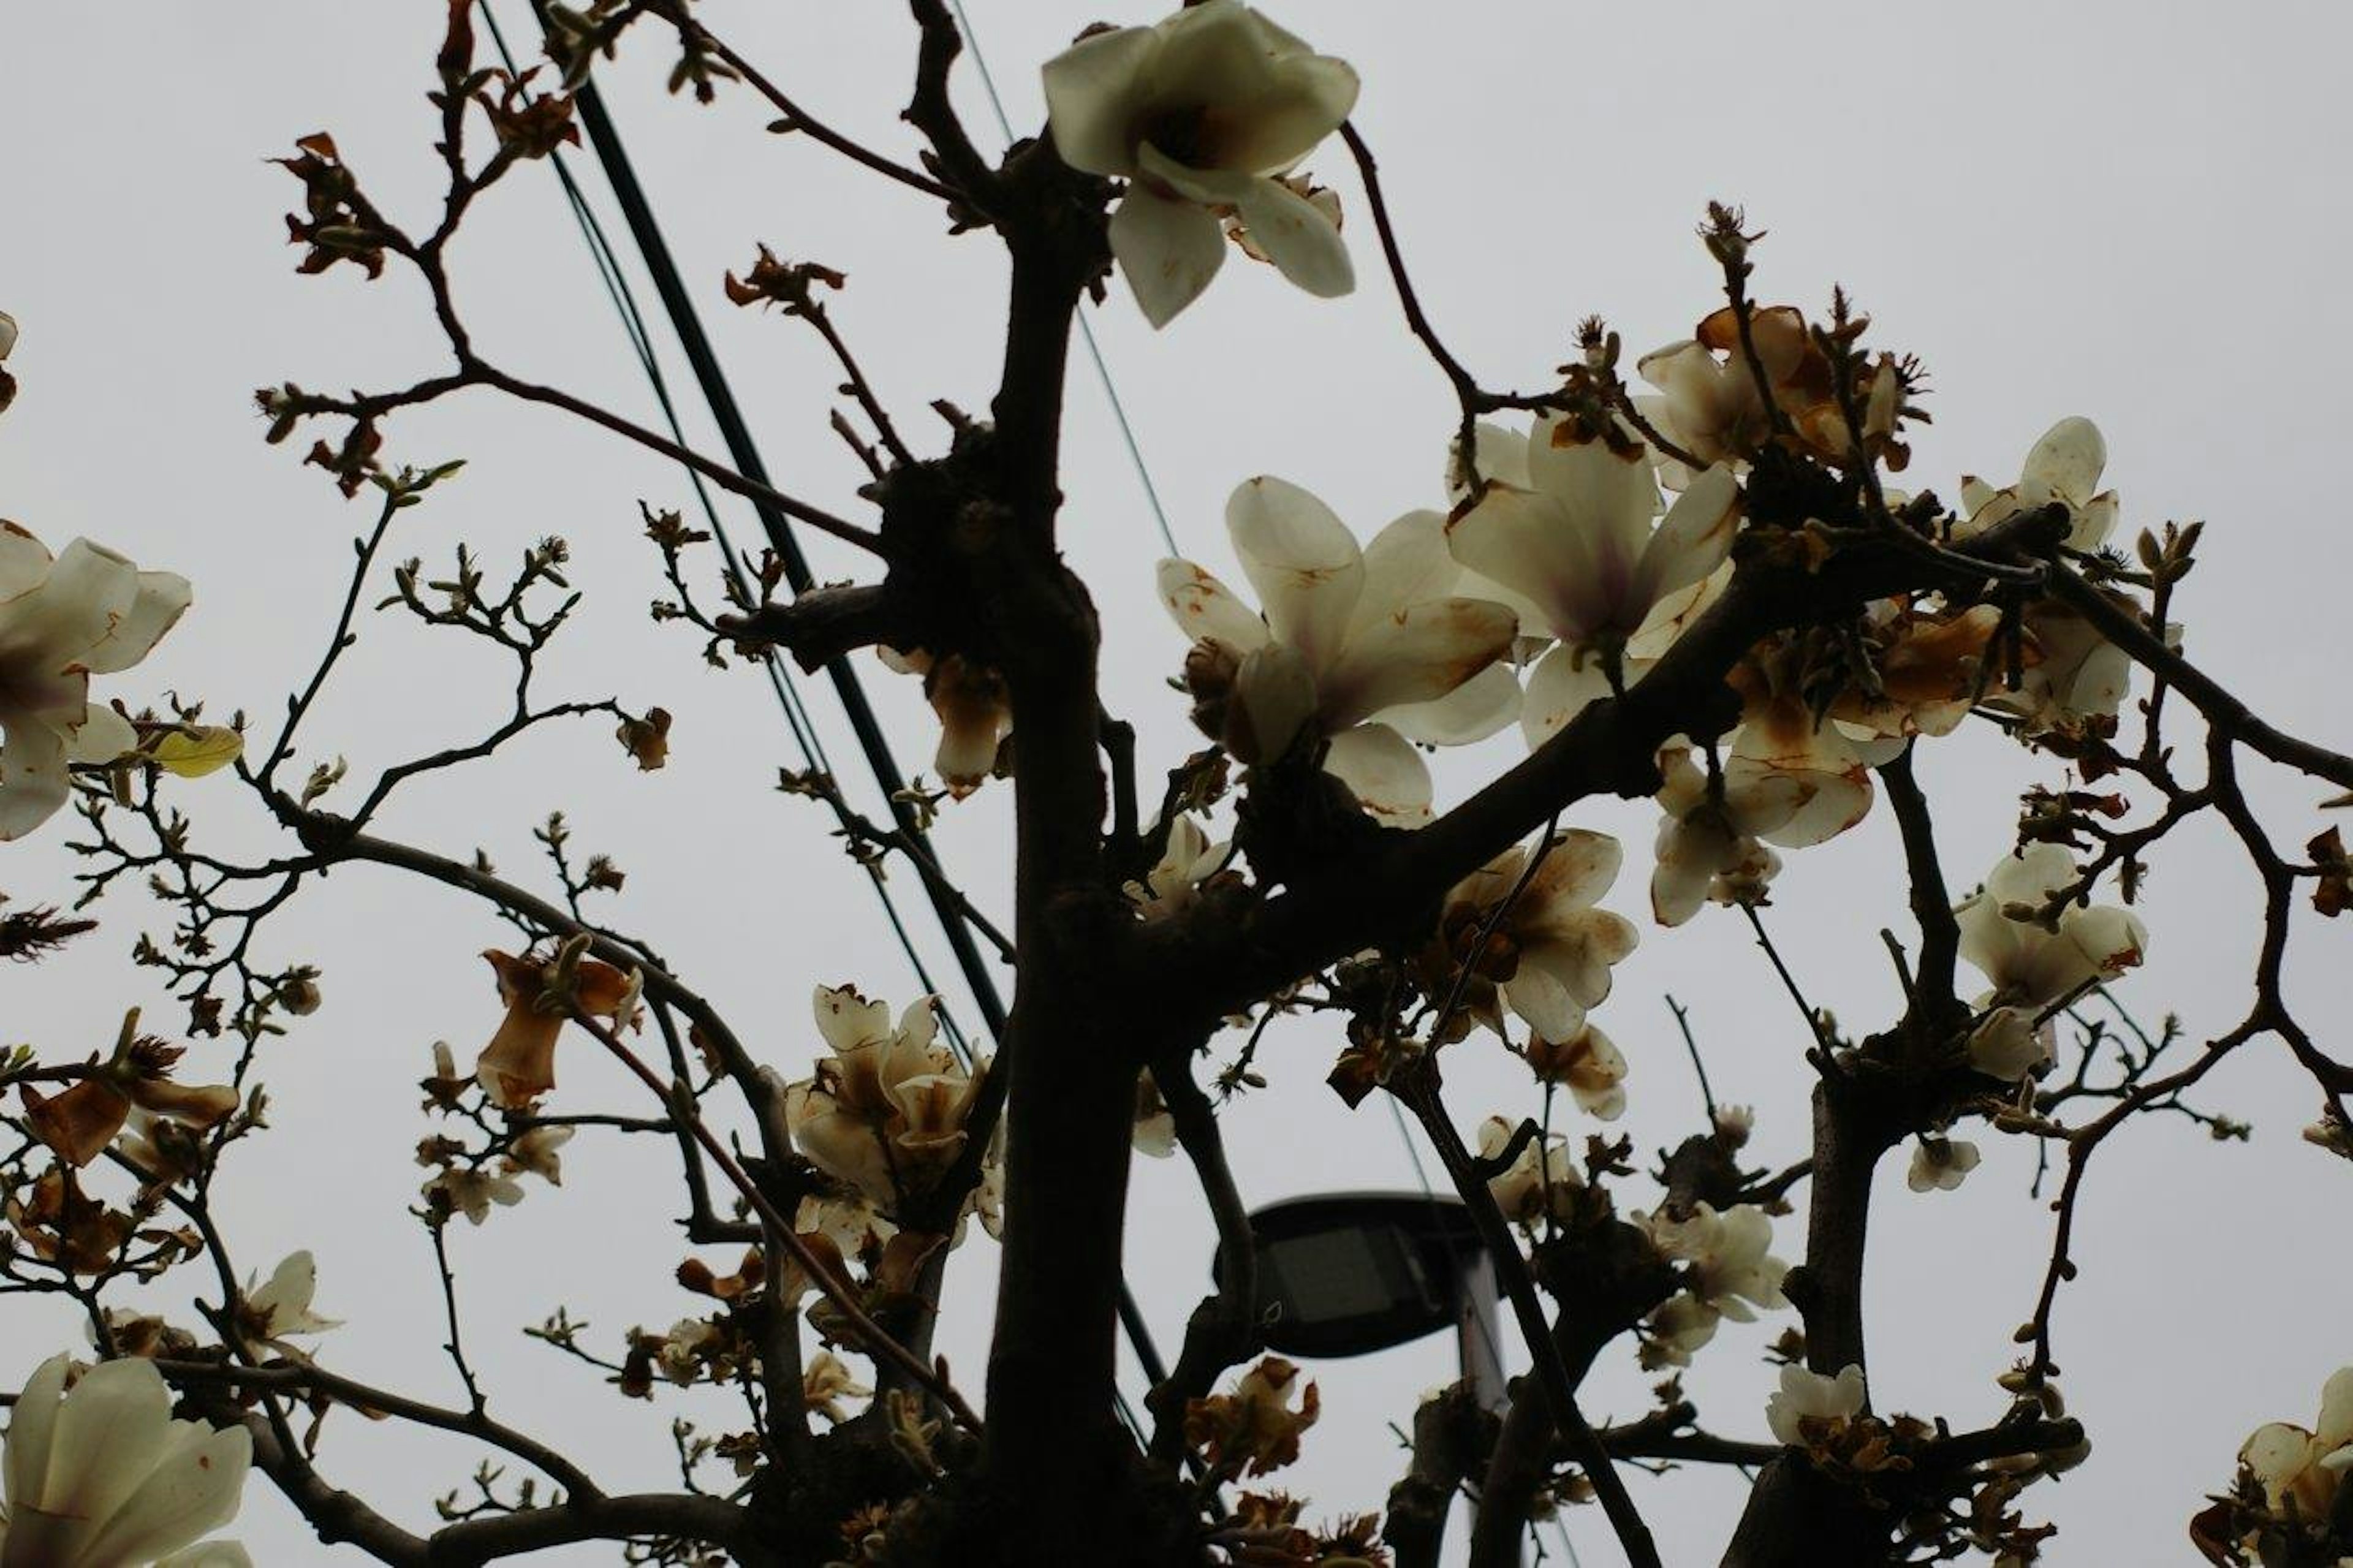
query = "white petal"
x=1543 y=1003
x=160 y=599
x=1167 y=250
x=1415 y=655
x=1274 y=690
x=2066 y=463
x=1580 y=867
x=109 y=1433
x=1303 y=561
x=1473 y=711
x=1306 y=101
x=87 y=594
x=1091 y=99
x=194 y=1489
x=1524 y=541
x=1297 y=236
x=1202 y=606
x=32 y=777
x=1599 y=487
x=1405 y=563
x=104 y=736
x=1385 y=773
x=32 y=1423
x=1564 y=683
x=24 y=562
x=209 y=1554
x=2336 y=1427
x=1694 y=539
x=1500 y=454
x=849 y=1021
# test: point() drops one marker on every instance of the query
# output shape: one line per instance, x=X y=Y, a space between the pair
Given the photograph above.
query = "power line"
x=654 y=251
x=805 y=736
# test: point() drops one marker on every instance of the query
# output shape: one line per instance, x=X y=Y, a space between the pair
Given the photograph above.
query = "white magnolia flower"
x=1807 y=1399
x=2308 y=1466
x=2006 y=1044
x=1577 y=548
x=102 y=1476
x=2074 y=675
x=1787 y=780
x=1679 y=1330
x=537 y=1151
x=682 y=1352
x=1547 y=956
x=1371 y=648
x=1939 y=1164
x=1174 y=884
x=1590 y=1063
x=885 y=1112
x=472 y=1192
x=2032 y=965
x=1202 y=114
x=1732 y=1270
x=1542 y=1182
x=87 y=612
x=283 y=1307
x=2064 y=467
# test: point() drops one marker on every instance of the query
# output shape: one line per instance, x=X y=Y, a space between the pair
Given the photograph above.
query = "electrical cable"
x=654 y=253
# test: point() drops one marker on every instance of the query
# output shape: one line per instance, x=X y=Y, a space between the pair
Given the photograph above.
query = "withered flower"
x=1254 y=1429
x=519 y=1064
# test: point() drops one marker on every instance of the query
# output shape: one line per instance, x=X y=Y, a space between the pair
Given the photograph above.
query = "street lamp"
x=1343 y=1273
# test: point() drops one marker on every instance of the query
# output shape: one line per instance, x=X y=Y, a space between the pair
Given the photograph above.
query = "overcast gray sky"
x=2124 y=210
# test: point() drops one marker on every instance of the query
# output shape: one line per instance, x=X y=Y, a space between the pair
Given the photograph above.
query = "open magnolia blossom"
x=886 y=1112
x=2032 y=963
x=1677 y=1330
x=1811 y=1407
x=2306 y=1469
x=1174 y=883
x=1732 y=1269
x=1541 y=1184
x=1582 y=551
x=2063 y=466
x=1708 y=847
x=2074 y=677
x=1369 y=647
x=100 y=1476
x=1590 y=1065
x=536 y=1152
x=472 y=1191
x=1545 y=953
x=519 y=1064
x=1939 y=1164
x=1203 y=114
x=974 y=712
x=62 y=620
x=270 y=1313
x=2005 y=1043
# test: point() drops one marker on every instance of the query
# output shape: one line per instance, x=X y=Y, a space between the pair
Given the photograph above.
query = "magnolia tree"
x=1685 y=575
